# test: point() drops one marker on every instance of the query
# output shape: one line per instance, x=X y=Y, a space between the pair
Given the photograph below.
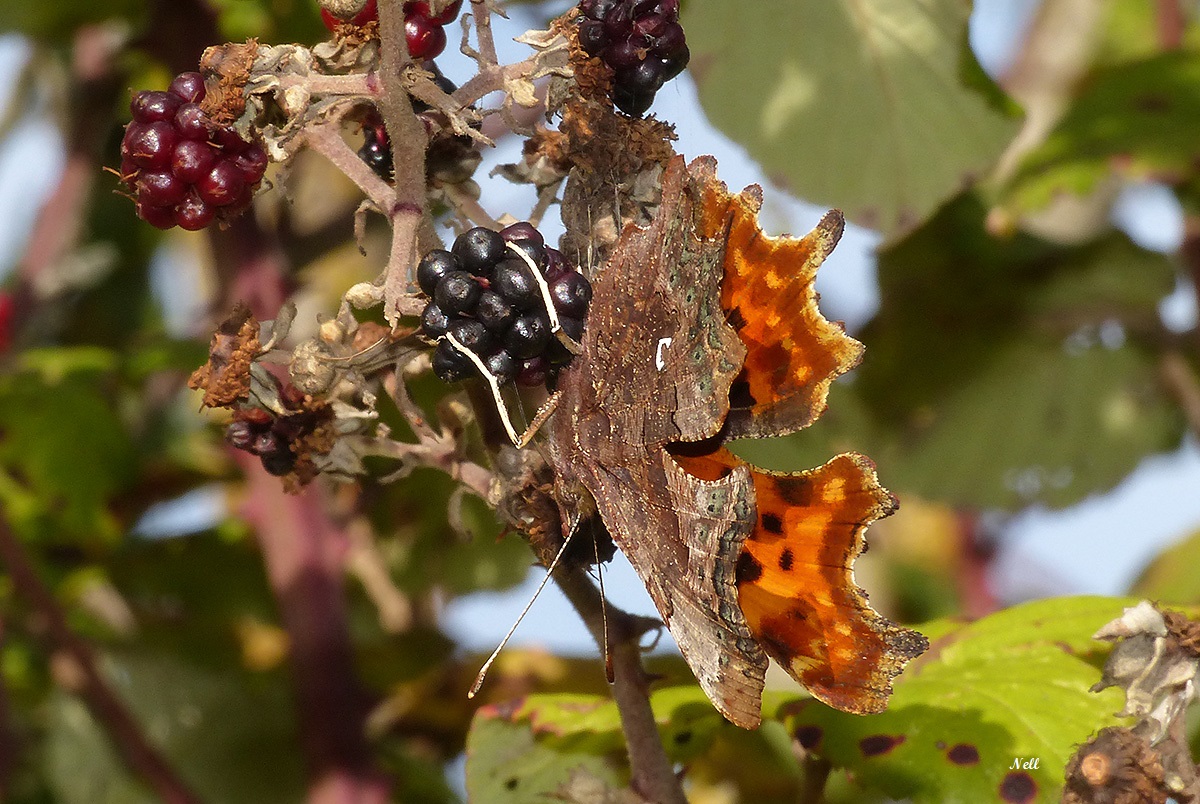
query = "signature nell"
x=1022 y=763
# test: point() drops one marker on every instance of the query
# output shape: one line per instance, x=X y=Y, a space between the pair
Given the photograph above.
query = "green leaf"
x=545 y=736
x=67 y=441
x=999 y=373
x=1009 y=688
x=230 y=736
x=868 y=106
x=506 y=762
x=1171 y=577
x=1136 y=118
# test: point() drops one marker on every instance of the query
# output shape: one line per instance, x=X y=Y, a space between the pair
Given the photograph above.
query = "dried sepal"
x=225 y=376
x=1156 y=669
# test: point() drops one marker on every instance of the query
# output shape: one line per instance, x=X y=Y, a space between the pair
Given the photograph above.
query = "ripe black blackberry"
x=488 y=300
x=641 y=40
x=183 y=169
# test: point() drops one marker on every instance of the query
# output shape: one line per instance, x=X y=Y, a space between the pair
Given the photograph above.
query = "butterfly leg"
x=544 y=412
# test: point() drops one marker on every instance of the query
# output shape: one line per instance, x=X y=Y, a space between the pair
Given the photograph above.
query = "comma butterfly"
x=703 y=329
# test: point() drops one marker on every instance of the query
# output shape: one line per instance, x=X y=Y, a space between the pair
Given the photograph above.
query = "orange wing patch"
x=796 y=585
x=794 y=352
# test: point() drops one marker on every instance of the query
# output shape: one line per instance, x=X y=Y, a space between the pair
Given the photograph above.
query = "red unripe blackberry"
x=182 y=168
x=153 y=107
x=160 y=188
x=418 y=7
x=425 y=38
x=223 y=185
x=150 y=145
x=188 y=87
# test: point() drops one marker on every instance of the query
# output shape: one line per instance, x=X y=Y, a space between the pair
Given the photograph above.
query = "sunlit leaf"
x=1012 y=688
x=867 y=106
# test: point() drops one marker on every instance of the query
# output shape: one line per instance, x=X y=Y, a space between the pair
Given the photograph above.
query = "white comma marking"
x=659 y=362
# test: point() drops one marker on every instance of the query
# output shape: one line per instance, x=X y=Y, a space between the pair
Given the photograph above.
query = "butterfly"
x=703 y=329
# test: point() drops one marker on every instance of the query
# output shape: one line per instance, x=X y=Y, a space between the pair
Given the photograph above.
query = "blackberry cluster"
x=641 y=40
x=274 y=438
x=183 y=169
x=422 y=28
x=486 y=296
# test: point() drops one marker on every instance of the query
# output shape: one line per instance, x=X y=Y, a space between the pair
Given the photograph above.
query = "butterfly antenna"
x=545 y=580
x=608 y=658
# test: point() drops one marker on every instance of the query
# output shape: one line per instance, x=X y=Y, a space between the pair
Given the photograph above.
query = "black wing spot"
x=785 y=559
x=772 y=524
x=748 y=568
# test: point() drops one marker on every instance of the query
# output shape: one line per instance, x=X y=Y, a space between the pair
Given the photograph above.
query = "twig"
x=481 y=13
x=1172 y=23
x=469 y=207
x=85 y=680
x=653 y=774
x=1181 y=381
x=8 y=740
x=326 y=139
x=816 y=776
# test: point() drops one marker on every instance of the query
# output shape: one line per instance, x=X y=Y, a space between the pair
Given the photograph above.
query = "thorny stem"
x=469 y=207
x=83 y=677
x=816 y=776
x=481 y=13
x=305 y=551
x=8 y=740
x=409 y=141
x=326 y=139
x=653 y=774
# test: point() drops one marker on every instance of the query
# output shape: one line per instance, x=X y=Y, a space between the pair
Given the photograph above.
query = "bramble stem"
x=653 y=773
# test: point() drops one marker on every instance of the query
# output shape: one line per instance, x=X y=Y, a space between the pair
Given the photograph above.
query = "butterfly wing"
x=796 y=585
x=793 y=352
